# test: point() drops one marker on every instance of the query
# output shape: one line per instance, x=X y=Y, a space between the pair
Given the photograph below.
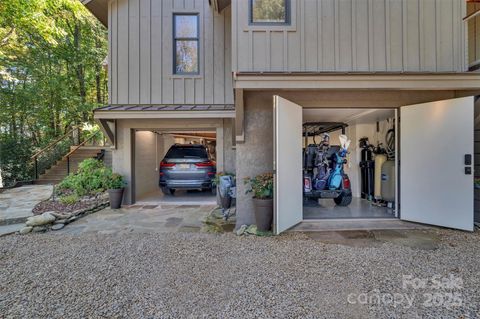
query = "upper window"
x=269 y=12
x=185 y=43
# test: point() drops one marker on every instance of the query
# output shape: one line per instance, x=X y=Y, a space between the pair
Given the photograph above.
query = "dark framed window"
x=186 y=43
x=269 y=12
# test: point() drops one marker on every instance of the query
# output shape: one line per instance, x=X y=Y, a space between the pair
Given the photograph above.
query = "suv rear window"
x=187 y=152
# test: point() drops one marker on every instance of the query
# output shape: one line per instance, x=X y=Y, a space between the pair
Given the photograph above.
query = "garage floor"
x=181 y=197
x=359 y=208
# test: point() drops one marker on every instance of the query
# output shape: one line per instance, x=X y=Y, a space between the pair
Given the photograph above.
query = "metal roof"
x=166 y=107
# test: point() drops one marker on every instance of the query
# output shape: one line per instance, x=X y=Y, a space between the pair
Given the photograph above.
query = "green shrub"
x=68 y=199
x=91 y=178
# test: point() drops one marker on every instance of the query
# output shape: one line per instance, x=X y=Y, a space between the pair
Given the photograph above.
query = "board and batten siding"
x=473 y=35
x=141 y=54
x=354 y=35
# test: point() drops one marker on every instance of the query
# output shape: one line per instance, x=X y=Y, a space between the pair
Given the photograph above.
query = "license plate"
x=184 y=166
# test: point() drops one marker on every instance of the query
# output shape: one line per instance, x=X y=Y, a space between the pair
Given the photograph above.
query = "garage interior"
x=150 y=148
x=366 y=175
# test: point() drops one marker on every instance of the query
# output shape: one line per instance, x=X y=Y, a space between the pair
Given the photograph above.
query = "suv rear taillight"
x=165 y=164
x=205 y=164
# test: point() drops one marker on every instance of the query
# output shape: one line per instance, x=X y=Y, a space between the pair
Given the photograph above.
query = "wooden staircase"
x=59 y=170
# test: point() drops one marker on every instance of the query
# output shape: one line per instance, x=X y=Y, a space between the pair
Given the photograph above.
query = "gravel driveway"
x=189 y=275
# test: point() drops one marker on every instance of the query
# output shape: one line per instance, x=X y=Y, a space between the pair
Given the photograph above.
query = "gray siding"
x=141 y=54
x=473 y=35
x=355 y=35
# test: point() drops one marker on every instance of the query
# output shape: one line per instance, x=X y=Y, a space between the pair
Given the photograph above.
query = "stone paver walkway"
x=142 y=219
x=16 y=204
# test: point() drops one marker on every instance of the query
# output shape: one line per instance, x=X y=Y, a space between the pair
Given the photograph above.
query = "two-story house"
x=400 y=72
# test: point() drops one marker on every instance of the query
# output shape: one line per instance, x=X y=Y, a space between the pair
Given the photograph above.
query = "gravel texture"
x=190 y=275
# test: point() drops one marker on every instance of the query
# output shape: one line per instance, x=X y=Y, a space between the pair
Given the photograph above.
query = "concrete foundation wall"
x=255 y=156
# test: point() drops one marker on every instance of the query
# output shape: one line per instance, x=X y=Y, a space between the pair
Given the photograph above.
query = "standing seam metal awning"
x=167 y=107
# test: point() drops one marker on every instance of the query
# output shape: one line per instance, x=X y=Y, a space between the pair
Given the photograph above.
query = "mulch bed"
x=56 y=206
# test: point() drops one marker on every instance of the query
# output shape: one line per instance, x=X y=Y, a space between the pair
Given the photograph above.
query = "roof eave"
x=99 y=8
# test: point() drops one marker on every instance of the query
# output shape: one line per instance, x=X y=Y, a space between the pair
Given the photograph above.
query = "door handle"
x=468 y=159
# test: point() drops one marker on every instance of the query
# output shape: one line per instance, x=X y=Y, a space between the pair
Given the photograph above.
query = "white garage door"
x=436 y=143
x=288 y=210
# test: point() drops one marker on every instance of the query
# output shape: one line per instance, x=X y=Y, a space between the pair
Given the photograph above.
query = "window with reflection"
x=269 y=12
x=186 y=43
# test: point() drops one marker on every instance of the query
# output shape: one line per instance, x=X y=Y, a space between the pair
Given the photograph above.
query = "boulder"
x=25 y=230
x=39 y=229
x=43 y=219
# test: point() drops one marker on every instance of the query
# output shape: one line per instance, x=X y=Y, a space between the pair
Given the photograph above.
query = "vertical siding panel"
x=156 y=51
x=167 y=52
x=379 y=36
x=145 y=37
x=428 y=35
x=301 y=28
x=294 y=51
x=209 y=54
x=370 y=36
x=123 y=53
x=219 y=62
x=395 y=42
x=110 y=52
x=293 y=43
x=198 y=82
x=445 y=41
x=235 y=31
x=260 y=50
x=134 y=52
x=276 y=47
x=310 y=37
x=362 y=35
x=115 y=52
x=344 y=36
x=319 y=36
x=179 y=90
x=328 y=35
x=228 y=56
x=476 y=34
x=190 y=91
x=412 y=36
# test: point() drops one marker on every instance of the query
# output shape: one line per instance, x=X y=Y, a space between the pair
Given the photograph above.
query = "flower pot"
x=263 y=213
x=116 y=197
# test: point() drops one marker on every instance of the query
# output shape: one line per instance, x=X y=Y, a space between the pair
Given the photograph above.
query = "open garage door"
x=288 y=210
x=436 y=163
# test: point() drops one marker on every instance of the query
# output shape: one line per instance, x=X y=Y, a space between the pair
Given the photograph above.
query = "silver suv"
x=187 y=166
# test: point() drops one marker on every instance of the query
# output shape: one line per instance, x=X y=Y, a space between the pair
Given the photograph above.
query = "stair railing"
x=52 y=148
x=67 y=157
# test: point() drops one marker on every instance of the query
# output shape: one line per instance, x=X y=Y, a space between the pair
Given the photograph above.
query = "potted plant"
x=262 y=188
x=116 y=186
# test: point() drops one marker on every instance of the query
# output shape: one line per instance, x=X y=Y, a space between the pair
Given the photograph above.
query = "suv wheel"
x=344 y=199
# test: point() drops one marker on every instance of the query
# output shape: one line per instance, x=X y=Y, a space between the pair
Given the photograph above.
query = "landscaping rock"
x=58 y=226
x=39 y=229
x=60 y=221
x=241 y=230
x=25 y=230
x=43 y=219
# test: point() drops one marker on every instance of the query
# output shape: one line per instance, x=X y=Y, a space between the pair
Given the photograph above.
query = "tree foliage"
x=52 y=54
